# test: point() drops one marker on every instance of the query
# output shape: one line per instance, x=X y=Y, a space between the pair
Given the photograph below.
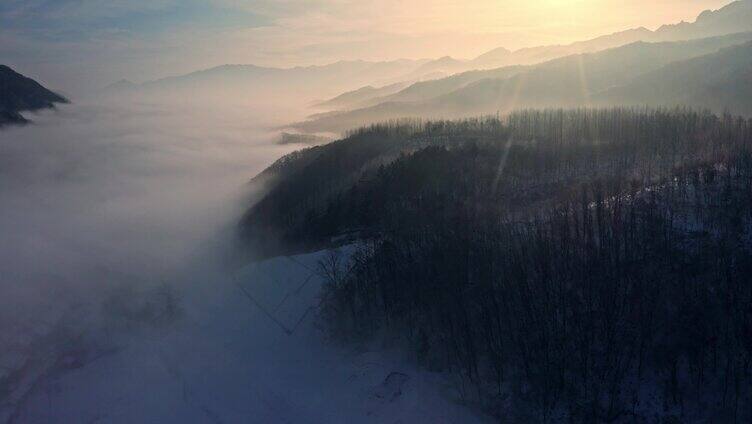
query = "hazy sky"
x=75 y=44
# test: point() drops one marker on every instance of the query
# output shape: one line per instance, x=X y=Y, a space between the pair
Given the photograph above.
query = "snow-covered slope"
x=245 y=349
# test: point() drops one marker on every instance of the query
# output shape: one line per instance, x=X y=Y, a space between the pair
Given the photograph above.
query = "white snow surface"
x=246 y=349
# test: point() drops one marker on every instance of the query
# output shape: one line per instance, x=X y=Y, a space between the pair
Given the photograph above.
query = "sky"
x=75 y=45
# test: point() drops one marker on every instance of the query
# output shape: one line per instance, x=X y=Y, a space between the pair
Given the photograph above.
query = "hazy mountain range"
x=424 y=90
x=251 y=80
x=363 y=94
x=735 y=17
x=625 y=75
x=19 y=93
x=367 y=83
x=722 y=80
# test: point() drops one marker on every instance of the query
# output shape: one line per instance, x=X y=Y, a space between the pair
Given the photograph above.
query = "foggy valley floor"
x=226 y=361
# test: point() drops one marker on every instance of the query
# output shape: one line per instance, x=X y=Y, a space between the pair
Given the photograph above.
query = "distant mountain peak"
x=730 y=8
x=499 y=51
x=442 y=61
x=734 y=17
x=122 y=84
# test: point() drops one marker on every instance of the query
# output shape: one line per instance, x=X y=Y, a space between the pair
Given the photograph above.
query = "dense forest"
x=587 y=265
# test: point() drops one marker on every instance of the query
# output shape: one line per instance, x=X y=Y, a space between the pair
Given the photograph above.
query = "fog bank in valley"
x=102 y=194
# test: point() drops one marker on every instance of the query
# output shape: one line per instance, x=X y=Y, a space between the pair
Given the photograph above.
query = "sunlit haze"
x=375 y=211
x=71 y=44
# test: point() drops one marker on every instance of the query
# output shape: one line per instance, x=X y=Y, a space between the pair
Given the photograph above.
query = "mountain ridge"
x=19 y=93
x=733 y=18
x=570 y=81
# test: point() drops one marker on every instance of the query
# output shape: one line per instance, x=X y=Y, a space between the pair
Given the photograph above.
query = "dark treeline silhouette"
x=601 y=273
x=616 y=306
x=526 y=160
x=580 y=265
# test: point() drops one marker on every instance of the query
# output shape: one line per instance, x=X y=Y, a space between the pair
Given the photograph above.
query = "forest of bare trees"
x=583 y=265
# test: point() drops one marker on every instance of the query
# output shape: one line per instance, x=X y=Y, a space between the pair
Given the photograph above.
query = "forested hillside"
x=329 y=190
x=588 y=265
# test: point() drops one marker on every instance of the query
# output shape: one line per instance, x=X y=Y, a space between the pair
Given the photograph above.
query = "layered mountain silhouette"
x=734 y=18
x=612 y=69
x=19 y=93
x=426 y=90
x=257 y=81
x=381 y=82
x=361 y=96
x=627 y=75
x=718 y=81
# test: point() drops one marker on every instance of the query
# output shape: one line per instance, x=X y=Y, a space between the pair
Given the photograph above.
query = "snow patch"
x=245 y=349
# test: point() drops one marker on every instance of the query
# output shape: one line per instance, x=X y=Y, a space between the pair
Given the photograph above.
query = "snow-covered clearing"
x=245 y=349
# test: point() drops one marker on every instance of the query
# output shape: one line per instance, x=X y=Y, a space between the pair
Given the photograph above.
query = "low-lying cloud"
x=99 y=195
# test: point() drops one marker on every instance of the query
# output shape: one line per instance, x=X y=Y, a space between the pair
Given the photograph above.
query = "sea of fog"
x=102 y=197
x=94 y=193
